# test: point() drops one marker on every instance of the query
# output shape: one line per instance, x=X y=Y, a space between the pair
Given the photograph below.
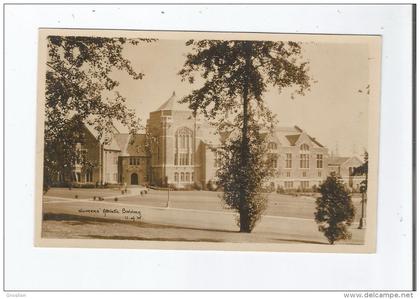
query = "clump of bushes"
x=334 y=210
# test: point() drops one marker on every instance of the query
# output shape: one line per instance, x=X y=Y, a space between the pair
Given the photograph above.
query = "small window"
x=176 y=177
x=272 y=146
x=288 y=160
x=304 y=147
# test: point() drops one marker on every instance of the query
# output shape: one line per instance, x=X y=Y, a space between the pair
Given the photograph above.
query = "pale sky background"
x=333 y=111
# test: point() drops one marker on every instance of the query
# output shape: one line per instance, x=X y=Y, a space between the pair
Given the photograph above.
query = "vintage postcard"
x=204 y=140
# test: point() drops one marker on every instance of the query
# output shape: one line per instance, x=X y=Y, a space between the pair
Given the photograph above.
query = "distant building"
x=344 y=167
x=180 y=151
x=300 y=160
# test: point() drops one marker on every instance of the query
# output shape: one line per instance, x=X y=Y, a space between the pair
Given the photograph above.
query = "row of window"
x=183 y=159
x=134 y=161
x=304 y=174
x=184 y=177
x=302 y=184
x=304 y=161
x=273 y=146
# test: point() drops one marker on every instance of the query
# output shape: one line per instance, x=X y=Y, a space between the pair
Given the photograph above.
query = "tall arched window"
x=183 y=147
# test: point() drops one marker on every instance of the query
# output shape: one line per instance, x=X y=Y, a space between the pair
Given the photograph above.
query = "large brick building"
x=179 y=152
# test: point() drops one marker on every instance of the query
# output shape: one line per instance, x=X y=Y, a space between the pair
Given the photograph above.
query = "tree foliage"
x=235 y=75
x=240 y=180
x=363 y=170
x=79 y=91
x=334 y=210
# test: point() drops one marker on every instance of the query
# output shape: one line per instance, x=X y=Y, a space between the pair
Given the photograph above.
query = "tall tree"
x=80 y=90
x=235 y=75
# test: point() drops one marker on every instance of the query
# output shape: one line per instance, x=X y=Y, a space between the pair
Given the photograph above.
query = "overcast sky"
x=335 y=112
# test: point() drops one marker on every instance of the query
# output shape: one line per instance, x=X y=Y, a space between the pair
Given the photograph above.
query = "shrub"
x=211 y=186
x=198 y=186
x=334 y=210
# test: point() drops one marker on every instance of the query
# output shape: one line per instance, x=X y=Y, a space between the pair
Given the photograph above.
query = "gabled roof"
x=292 y=139
x=290 y=135
x=107 y=139
x=137 y=145
x=173 y=104
x=122 y=141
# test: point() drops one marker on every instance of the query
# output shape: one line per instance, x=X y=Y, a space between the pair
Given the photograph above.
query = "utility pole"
x=362 y=222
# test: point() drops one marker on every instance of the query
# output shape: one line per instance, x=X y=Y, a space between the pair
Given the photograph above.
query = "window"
x=304 y=174
x=273 y=160
x=304 y=147
x=288 y=185
x=187 y=176
x=304 y=160
x=304 y=184
x=288 y=174
x=176 y=177
x=319 y=173
x=176 y=159
x=134 y=161
x=192 y=176
x=182 y=177
x=319 y=161
x=184 y=159
x=183 y=147
x=272 y=146
x=288 y=160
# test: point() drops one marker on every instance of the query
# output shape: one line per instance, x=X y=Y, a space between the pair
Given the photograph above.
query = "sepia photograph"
x=207 y=140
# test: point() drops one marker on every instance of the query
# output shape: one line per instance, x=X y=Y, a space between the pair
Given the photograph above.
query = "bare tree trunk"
x=245 y=225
